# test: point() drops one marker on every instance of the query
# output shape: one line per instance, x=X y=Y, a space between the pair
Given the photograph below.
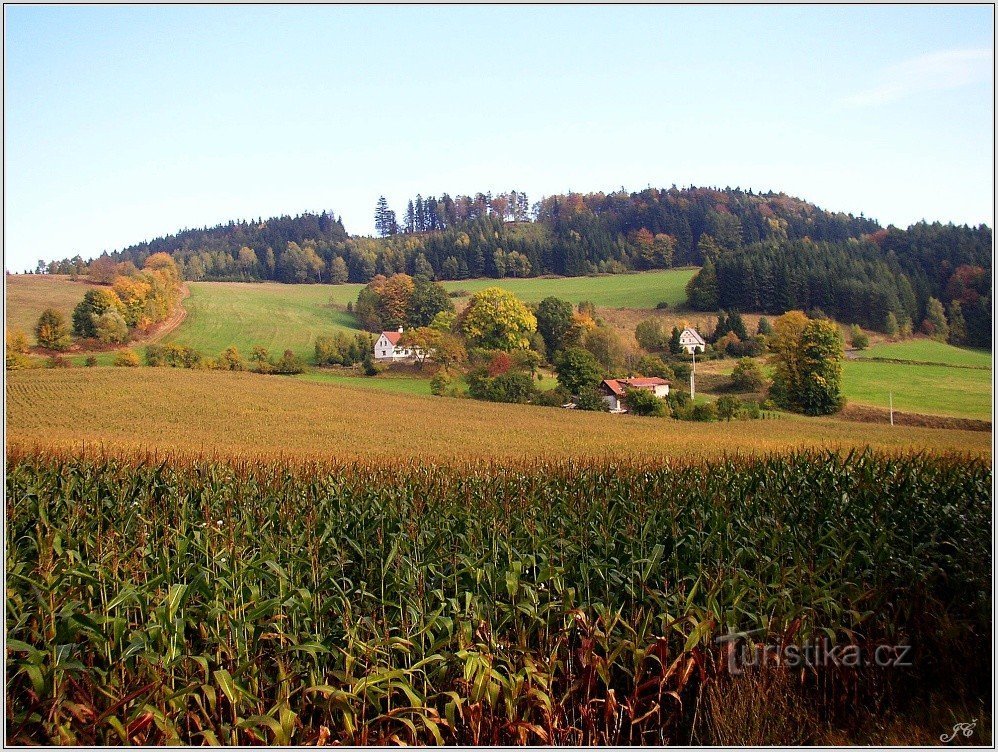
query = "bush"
x=661 y=305
x=552 y=397
x=58 y=361
x=440 y=383
x=512 y=386
x=370 y=367
x=858 y=338
x=110 y=327
x=289 y=364
x=126 y=359
x=90 y=362
x=704 y=412
x=590 y=399
x=17 y=350
x=728 y=407
x=747 y=376
x=644 y=402
x=230 y=360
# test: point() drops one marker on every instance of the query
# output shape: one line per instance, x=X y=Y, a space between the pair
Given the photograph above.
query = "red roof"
x=392 y=337
x=619 y=386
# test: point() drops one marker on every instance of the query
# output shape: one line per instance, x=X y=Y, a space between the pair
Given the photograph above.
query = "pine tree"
x=381 y=217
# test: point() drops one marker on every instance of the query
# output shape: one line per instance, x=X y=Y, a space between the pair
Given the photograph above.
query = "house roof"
x=392 y=337
x=619 y=386
x=693 y=333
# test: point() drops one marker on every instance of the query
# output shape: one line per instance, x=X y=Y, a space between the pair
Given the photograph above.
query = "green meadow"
x=929 y=351
x=926 y=389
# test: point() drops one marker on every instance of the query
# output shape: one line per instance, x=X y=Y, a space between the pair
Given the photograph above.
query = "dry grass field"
x=251 y=415
x=27 y=295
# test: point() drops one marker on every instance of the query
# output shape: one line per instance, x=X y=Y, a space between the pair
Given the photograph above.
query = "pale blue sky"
x=124 y=123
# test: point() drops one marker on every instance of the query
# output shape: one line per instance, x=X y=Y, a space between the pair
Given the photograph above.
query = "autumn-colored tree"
x=500 y=364
x=421 y=341
x=231 y=360
x=134 y=294
x=338 y=272
x=52 y=330
x=110 y=327
x=449 y=351
x=807 y=355
x=496 y=319
x=16 y=346
x=935 y=324
x=102 y=270
x=126 y=359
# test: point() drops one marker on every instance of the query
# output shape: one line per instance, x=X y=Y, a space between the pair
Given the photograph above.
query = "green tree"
x=674 y=347
x=577 y=370
x=497 y=319
x=110 y=327
x=701 y=291
x=427 y=300
x=727 y=407
x=644 y=402
x=957 y=324
x=935 y=324
x=590 y=399
x=651 y=335
x=555 y=321
x=52 y=330
x=764 y=327
x=338 y=272
x=858 y=338
x=605 y=345
x=891 y=327
x=747 y=376
x=95 y=302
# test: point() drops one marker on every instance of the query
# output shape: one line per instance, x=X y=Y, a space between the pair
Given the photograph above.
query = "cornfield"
x=202 y=601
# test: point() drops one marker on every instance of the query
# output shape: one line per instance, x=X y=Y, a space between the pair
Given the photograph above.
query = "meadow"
x=246 y=413
x=210 y=602
x=924 y=389
x=924 y=350
x=27 y=295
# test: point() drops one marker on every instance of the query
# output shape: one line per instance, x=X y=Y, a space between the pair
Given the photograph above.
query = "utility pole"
x=890 y=397
x=693 y=374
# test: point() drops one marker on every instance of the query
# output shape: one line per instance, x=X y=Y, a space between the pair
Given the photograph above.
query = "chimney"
x=400 y=330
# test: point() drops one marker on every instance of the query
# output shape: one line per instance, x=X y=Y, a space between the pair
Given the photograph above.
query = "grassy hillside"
x=280 y=316
x=270 y=314
x=929 y=351
x=246 y=413
x=930 y=390
x=643 y=290
x=30 y=294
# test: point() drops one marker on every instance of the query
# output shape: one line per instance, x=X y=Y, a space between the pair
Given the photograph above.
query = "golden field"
x=246 y=414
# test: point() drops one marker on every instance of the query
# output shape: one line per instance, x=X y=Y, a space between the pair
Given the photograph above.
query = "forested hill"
x=763 y=251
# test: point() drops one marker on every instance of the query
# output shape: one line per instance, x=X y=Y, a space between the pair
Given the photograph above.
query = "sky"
x=122 y=124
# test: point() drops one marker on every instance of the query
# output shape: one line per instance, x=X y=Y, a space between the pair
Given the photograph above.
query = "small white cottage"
x=386 y=348
x=691 y=340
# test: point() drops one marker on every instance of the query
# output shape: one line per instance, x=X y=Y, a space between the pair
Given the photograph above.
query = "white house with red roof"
x=386 y=348
x=615 y=390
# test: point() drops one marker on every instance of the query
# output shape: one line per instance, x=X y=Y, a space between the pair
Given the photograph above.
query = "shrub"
x=17 y=350
x=370 y=367
x=126 y=359
x=440 y=383
x=289 y=364
x=590 y=399
x=661 y=305
x=230 y=360
x=552 y=397
x=858 y=338
x=90 y=362
x=644 y=402
x=747 y=376
x=703 y=411
x=57 y=361
x=110 y=327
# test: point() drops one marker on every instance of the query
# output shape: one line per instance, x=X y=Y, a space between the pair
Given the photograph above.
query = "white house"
x=614 y=390
x=690 y=340
x=386 y=348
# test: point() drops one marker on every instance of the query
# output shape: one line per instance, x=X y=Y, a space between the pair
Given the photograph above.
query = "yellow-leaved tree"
x=498 y=320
